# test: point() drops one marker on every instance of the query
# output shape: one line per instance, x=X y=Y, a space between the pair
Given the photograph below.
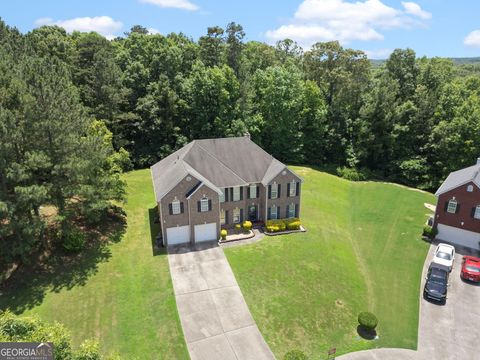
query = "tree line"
x=76 y=108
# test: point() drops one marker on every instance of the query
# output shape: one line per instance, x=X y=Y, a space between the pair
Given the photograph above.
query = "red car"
x=470 y=268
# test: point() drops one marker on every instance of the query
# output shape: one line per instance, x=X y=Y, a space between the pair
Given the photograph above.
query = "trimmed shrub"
x=351 y=174
x=247 y=225
x=292 y=224
x=223 y=234
x=283 y=224
x=367 y=320
x=73 y=241
x=238 y=227
x=295 y=355
x=430 y=232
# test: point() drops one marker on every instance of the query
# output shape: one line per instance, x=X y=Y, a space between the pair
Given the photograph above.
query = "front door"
x=252 y=213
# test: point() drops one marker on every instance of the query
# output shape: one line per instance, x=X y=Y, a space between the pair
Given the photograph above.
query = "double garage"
x=181 y=234
x=458 y=236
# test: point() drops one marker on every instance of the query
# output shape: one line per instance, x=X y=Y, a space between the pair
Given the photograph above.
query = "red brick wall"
x=463 y=218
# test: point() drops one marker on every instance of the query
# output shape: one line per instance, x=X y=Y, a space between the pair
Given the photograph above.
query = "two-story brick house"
x=211 y=184
x=457 y=215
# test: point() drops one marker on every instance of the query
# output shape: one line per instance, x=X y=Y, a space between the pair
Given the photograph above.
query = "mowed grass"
x=362 y=252
x=127 y=301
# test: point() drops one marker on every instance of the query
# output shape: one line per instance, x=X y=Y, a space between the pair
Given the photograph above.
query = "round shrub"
x=295 y=355
x=223 y=234
x=73 y=241
x=238 y=227
x=367 y=320
x=247 y=225
x=429 y=231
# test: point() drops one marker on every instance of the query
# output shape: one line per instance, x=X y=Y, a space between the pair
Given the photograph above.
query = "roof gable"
x=460 y=177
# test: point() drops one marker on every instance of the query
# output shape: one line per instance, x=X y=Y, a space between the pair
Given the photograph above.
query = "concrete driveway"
x=446 y=332
x=216 y=321
x=451 y=331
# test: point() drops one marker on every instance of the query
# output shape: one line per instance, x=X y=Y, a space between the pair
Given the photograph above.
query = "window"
x=291 y=210
x=293 y=189
x=176 y=209
x=476 y=215
x=236 y=215
x=274 y=191
x=204 y=205
x=452 y=206
x=273 y=212
x=222 y=196
x=470 y=188
x=236 y=193
x=222 y=217
x=253 y=191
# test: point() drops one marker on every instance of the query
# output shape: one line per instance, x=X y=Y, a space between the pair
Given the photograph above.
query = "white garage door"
x=458 y=236
x=178 y=235
x=205 y=232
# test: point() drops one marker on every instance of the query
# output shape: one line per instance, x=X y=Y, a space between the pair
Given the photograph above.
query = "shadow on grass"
x=27 y=287
x=367 y=334
x=155 y=235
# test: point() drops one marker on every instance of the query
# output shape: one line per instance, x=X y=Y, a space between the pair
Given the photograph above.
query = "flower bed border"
x=302 y=229
x=250 y=235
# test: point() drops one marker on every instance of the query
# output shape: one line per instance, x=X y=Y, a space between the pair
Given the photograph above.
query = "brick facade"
x=466 y=202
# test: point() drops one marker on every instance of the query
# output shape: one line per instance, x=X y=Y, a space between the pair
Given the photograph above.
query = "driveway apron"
x=216 y=321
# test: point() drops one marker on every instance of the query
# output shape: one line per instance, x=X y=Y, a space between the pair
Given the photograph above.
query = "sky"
x=448 y=28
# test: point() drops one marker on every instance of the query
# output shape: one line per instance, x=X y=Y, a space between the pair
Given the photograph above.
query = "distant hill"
x=456 y=61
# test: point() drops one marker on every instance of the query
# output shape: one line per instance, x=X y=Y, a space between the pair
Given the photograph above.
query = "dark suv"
x=436 y=282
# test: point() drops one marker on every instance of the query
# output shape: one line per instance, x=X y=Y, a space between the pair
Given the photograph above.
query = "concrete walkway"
x=216 y=321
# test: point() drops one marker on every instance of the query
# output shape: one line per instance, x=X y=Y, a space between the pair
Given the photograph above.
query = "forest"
x=76 y=110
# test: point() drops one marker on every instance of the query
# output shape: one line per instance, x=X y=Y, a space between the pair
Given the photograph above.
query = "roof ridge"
x=222 y=163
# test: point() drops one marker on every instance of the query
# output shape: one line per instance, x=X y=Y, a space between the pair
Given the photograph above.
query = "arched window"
x=470 y=188
x=452 y=206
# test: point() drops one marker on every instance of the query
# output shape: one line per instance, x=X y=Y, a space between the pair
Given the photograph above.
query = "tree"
x=235 y=35
x=402 y=67
x=212 y=46
x=279 y=93
x=31 y=329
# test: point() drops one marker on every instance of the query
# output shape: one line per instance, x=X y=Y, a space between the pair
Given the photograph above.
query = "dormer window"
x=452 y=206
x=470 y=188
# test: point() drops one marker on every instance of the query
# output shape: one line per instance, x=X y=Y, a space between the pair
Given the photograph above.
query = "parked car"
x=436 y=282
x=470 y=268
x=444 y=255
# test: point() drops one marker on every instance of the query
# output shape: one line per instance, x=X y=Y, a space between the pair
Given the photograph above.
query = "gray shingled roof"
x=219 y=163
x=460 y=177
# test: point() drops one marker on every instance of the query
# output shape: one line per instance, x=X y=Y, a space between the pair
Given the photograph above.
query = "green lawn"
x=362 y=251
x=121 y=294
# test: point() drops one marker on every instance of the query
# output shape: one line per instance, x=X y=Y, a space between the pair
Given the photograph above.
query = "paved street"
x=446 y=332
x=216 y=321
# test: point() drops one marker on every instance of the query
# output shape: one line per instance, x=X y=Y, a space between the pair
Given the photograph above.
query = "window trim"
x=235 y=198
x=176 y=205
x=452 y=203
x=234 y=212
x=272 y=187
x=254 y=187
x=293 y=188
x=276 y=212
x=476 y=214
x=290 y=216
x=203 y=201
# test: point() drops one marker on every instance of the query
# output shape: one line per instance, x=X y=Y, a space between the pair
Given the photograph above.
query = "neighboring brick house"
x=457 y=216
x=211 y=184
